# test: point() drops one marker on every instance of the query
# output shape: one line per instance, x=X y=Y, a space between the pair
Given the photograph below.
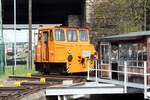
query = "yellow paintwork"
x=42 y=80
x=58 y=50
x=17 y=84
x=28 y=74
x=24 y=81
x=1 y=85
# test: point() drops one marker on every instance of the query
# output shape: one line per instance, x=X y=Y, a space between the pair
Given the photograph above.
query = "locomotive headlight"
x=70 y=58
x=69 y=51
x=92 y=57
x=52 y=51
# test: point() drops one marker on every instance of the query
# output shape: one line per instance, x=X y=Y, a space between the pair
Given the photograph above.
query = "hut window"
x=105 y=54
x=135 y=54
x=114 y=53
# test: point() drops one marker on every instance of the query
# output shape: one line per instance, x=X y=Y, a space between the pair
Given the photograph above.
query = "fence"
x=7 y=59
x=2 y=58
x=21 y=57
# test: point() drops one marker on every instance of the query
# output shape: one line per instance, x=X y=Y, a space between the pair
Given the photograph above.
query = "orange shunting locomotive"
x=63 y=50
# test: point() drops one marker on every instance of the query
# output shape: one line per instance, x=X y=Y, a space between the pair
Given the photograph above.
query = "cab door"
x=105 y=59
x=51 y=46
x=38 y=48
x=45 y=52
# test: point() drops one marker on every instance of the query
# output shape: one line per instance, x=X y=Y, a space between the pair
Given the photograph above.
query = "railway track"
x=49 y=78
x=33 y=84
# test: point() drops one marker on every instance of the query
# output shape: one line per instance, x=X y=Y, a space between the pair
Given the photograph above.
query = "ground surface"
x=20 y=70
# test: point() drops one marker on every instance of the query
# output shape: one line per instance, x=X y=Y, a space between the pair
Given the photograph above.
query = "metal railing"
x=125 y=72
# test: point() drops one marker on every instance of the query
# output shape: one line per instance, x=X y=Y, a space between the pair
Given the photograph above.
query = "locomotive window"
x=45 y=37
x=59 y=35
x=83 y=35
x=72 y=35
x=51 y=35
x=39 y=36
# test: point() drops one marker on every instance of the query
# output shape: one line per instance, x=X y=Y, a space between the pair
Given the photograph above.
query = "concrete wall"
x=87 y=11
x=74 y=21
x=81 y=20
x=39 y=95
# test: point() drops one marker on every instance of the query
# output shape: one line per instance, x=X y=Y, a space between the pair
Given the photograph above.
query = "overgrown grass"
x=20 y=70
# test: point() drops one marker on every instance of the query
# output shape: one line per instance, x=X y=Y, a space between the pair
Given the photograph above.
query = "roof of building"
x=26 y=26
x=63 y=27
x=128 y=36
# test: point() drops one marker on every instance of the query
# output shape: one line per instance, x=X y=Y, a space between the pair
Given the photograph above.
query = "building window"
x=72 y=35
x=59 y=35
x=83 y=35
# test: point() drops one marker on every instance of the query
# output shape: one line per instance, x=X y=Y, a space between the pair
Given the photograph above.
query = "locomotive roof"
x=61 y=27
x=128 y=36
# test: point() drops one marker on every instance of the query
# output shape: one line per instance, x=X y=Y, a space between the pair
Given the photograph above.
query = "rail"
x=25 y=85
x=145 y=86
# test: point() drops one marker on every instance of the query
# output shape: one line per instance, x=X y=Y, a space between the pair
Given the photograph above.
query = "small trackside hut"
x=125 y=60
x=131 y=48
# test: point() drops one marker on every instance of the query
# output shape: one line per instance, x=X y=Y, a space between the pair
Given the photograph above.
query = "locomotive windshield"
x=83 y=35
x=72 y=35
x=59 y=35
x=45 y=37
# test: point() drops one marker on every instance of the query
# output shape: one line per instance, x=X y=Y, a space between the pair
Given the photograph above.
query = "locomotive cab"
x=63 y=50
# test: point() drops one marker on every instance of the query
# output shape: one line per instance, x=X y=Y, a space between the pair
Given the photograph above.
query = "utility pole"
x=30 y=35
x=15 y=22
x=1 y=31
